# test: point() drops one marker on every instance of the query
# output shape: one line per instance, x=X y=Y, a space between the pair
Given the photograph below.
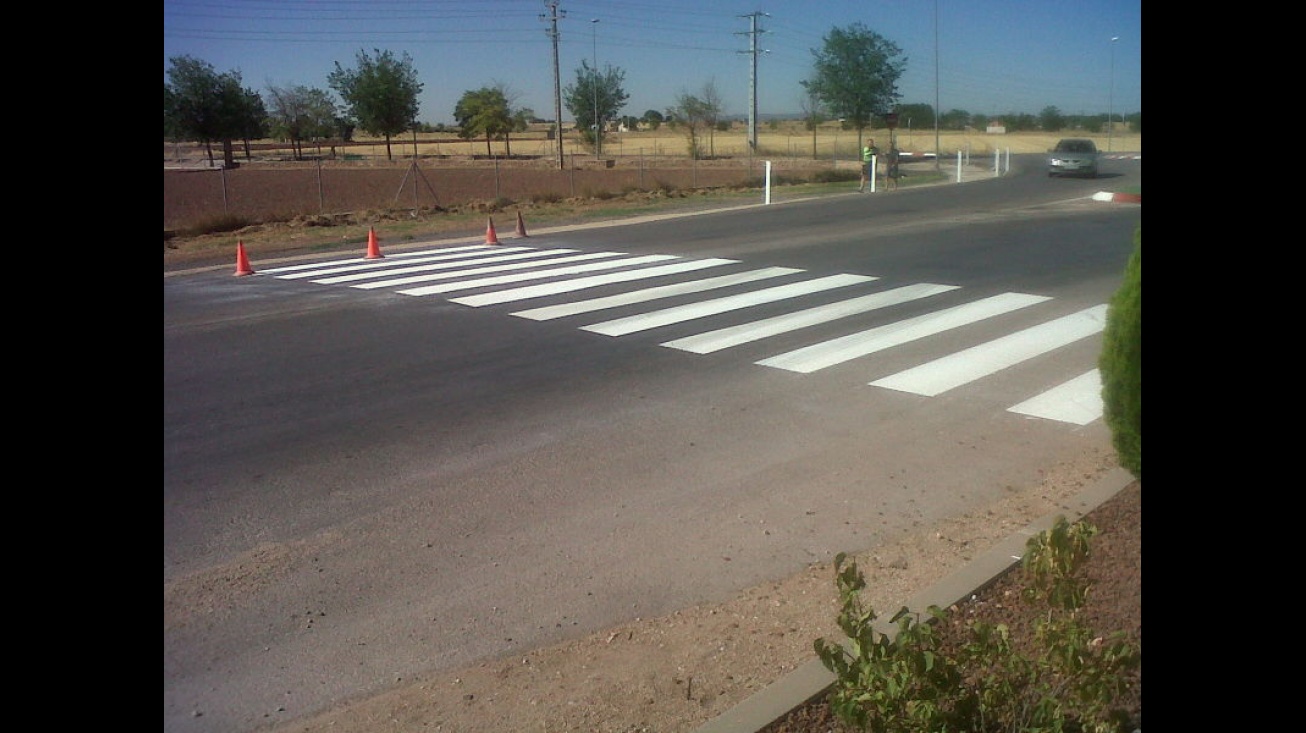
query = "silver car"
x=1073 y=157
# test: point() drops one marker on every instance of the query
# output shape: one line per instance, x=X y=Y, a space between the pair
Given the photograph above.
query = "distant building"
x=996 y=128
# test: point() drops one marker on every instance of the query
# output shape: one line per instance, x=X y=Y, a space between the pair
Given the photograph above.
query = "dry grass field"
x=780 y=140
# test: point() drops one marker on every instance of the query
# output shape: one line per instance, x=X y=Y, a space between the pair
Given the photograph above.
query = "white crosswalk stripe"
x=691 y=311
x=499 y=271
x=569 y=286
x=496 y=265
x=941 y=375
x=321 y=268
x=724 y=338
x=836 y=351
x=643 y=296
x=1078 y=401
x=517 y=277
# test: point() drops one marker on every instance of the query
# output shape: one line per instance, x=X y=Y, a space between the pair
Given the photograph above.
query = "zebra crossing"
x=507 y=275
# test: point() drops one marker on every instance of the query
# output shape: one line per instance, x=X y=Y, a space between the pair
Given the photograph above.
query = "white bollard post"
x=997 y=158
x=958 y=166
x=872 y=172
x=767 y=187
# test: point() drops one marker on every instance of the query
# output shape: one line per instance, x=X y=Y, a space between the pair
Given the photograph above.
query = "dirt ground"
x=674 y=673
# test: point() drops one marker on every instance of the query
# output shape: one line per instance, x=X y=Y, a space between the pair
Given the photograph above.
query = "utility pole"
x=752 y=86
x=1111 y=93
x=552 y=17
x=937 y=112
x=598 y=128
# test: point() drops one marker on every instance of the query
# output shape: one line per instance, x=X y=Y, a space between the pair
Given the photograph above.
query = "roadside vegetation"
x=1067 y=676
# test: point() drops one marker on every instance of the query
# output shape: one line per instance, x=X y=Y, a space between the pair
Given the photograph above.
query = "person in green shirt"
x=869 y=151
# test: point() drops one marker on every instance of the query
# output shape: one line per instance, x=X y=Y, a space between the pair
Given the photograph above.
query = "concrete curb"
x=1118 y=198
x=812 y=679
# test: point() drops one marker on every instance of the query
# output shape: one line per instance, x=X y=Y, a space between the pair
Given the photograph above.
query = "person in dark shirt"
x=891 y=172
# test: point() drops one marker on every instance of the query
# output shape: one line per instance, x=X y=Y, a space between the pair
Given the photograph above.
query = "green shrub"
x=1121 y=364
x=913 y=683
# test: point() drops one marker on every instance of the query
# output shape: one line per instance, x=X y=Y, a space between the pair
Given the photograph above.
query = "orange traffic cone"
x=373 y=250
x=490 y=236
x=521 y=225
x=242 y=262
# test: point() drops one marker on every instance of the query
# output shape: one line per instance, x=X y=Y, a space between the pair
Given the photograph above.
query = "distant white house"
x=996 y=128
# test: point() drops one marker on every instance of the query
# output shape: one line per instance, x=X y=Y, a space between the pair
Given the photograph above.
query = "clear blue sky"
x=983 y=56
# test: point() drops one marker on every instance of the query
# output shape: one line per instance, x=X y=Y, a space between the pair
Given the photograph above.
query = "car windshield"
x=1075 y=146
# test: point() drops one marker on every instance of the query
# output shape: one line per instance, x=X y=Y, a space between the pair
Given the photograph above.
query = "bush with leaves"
x=1121 y=364
x=913 y=683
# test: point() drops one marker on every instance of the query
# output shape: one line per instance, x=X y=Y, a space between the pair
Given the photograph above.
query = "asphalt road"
x=362 y=484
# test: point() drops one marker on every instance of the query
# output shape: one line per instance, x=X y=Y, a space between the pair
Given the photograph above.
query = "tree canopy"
x=855 y=75
x=203 y=105
x=595 y=97
x=299 y=113
x=380 y=93
x=487 y=111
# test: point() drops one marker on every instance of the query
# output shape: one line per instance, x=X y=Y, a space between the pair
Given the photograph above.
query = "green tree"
x=483 y=111
x=916 y=116
x=653 y=119
x=855 y=75
x=1121 y=364
x=1050 y=119
x=251 y=119
x=955 y=119
x=202 y=105
x=299 y=113
x=691 y=113
x=380 y=93
x=595 y=97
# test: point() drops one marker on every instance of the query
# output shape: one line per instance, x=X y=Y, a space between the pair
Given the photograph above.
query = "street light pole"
x=1111 y=92
x=598 y=144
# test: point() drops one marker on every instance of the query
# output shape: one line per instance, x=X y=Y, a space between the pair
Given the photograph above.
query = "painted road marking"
x=488 y=269
x=1078 y=401
x=535 y=275
x=642 y=296
x=691 y=311
x=363 y=264
x=581 y=283
x=724 y=338
x=941 y=375
x=836 y=351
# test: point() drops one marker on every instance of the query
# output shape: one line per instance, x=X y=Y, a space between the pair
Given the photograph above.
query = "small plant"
x=912 y=684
